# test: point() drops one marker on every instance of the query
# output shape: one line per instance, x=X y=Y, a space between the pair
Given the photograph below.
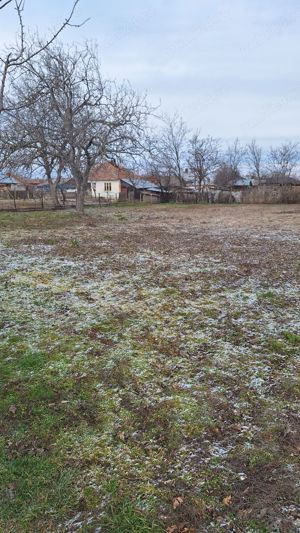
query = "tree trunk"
x=81 y=179
x=80 y=199
x=53 y=193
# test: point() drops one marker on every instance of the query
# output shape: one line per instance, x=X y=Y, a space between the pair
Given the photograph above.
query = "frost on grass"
x=155 y=359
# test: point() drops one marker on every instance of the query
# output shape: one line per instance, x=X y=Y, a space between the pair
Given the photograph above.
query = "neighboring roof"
x=7 y=180
x=243 y=182
x=15 y=179
x=142 y=184
x=42 y=185
x=27 y=182
x=66 y=185
x=109 y=171
x=285 y=181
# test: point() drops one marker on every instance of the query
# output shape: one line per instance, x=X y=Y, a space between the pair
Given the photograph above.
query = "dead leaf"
x=171 y=529
x=12 y=409
x=245 y=513
x=177 y=502
x=227 y=500
x=183 y=528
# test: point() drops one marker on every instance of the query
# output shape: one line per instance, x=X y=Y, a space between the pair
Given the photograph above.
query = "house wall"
x=150 y=198
x=9 y=193
x=98 y=189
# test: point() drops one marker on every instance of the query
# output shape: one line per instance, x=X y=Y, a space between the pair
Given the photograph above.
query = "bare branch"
x=254 y=158
x=282 y=162
x=2 y=6
x=203 y=159
x=25 y=53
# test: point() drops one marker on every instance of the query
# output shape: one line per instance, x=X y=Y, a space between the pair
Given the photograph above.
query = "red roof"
x=109 y=171
x=27 y=182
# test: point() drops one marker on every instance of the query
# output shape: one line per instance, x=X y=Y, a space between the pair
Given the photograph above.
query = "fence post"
x=15 y=203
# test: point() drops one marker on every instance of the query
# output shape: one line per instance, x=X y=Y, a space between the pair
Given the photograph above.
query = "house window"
x=107 y=186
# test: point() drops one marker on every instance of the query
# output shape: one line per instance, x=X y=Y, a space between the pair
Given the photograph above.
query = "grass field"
x=149 y=366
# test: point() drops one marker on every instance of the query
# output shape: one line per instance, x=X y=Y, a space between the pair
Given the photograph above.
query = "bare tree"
x=153 y=163
x=282 y=162
x=28 y=140
x=152 y=171
x=174 y=141
x=24 y=50
x=91 y=119
x=229 y=170
x=226 y=176
x=203 y=159
x=254 y=157
x=168 y=152
x=235 y=155
x=30 y=144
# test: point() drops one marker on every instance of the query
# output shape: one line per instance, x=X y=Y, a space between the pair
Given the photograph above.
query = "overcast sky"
x=230 y=68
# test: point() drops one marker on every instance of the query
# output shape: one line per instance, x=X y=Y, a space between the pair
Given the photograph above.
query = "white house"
x=105 y=181
x=108 y=181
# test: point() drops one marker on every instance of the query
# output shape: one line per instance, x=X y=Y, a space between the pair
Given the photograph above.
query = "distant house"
x=280 y=180
x=112 y=182
x=25 y=186
x=140 y=189
x=105 y=180
x=66 y=185
x=242 y=183
x=20 y=186
x=7 y=183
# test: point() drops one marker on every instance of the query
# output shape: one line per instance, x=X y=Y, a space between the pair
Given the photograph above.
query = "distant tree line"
x=176 y=153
